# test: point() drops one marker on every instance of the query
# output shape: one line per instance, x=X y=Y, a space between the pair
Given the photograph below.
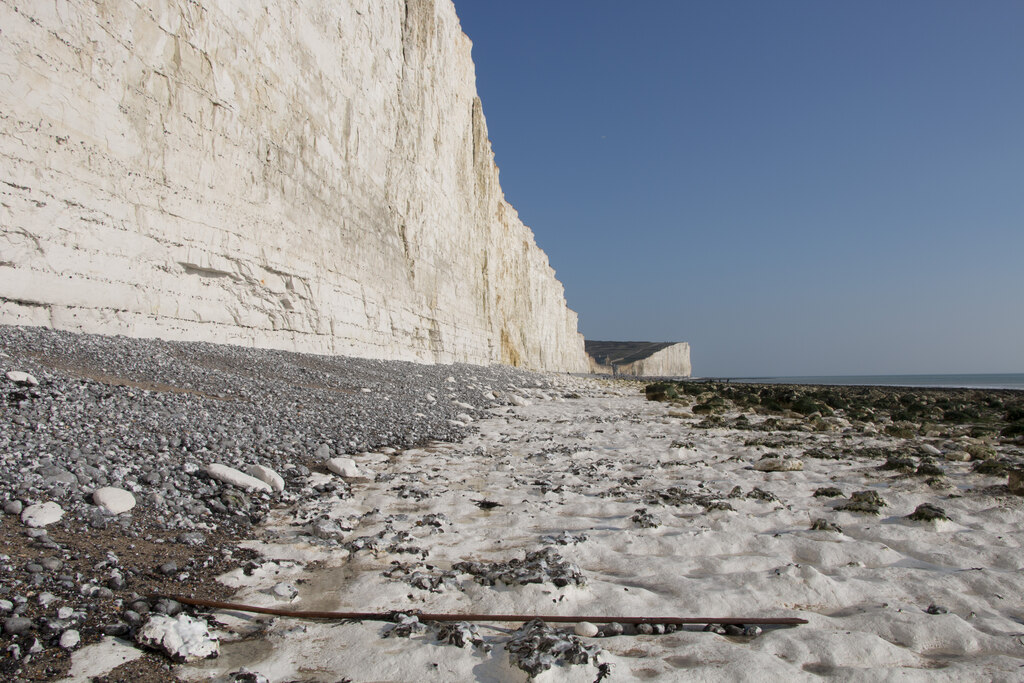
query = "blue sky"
x=794 y=187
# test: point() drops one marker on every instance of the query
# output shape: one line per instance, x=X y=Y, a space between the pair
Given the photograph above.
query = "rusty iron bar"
x=388 y=616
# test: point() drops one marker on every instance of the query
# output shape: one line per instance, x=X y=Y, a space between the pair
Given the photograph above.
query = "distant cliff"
x=639 y=359
x=313 y=175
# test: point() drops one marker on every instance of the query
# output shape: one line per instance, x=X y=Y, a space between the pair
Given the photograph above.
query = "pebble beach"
x=887 y=518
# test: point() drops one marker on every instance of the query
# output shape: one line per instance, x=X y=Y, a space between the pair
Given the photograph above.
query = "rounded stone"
x=113 y=500
x=344 y=467
x=267 y=476
x=41 y=514
x=17 y=625
x=229 y=475
x=51 y=563
x=22 y=378
x=779 y=465
x=70 y=639
x=586 y=629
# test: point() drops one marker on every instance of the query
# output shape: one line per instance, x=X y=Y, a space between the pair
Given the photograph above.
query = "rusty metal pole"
x=388 y=616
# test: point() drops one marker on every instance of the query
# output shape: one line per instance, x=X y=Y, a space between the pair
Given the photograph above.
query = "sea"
x=979 y=381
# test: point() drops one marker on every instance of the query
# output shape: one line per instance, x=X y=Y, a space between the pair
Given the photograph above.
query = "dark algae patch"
x=902 y=412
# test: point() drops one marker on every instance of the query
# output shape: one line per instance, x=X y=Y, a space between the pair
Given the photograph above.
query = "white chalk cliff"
x=311 y=175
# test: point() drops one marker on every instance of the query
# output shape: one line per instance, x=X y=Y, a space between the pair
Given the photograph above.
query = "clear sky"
x=794 y=187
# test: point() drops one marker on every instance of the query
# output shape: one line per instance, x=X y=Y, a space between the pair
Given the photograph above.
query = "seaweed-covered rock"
x=863 y=501
x=821 y=524
x=661 y=391
x=928 y=468
x=991 y=467
x=423 y=576
x=565 y=538
x=539 y=566
x=1016 y=482
x=1013 y=431
x=899 y=464
x=536 y=647
x=957 y=456
x=828 y=492
x=926 y=512
x=716 y=405
x=404 y=626
x=461 y=634
x=980 y=452
x=760 y=494
x=644 y=519
x=902 y=429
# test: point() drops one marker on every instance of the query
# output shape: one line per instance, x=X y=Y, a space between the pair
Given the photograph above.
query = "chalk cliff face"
x=313 y=175
x=672 y=361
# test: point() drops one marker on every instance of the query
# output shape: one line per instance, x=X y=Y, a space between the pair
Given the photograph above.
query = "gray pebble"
x=116 y=629
x=51 y=563
x=17 y=625
x=168 y=607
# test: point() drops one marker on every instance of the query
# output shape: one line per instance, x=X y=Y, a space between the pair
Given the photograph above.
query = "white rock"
x=464 y=418
x=323 y=452
x=285 y=591
x=183 y=639
x=113 y=500
x=344 y=467
x=779 y=465
x=518 y=400
x=586 y=629
x=930 y=449
x=70 y=639
x=229 y=475
x=957 y=456
x=22 y=378
x=267 y=476
x=41 y=514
